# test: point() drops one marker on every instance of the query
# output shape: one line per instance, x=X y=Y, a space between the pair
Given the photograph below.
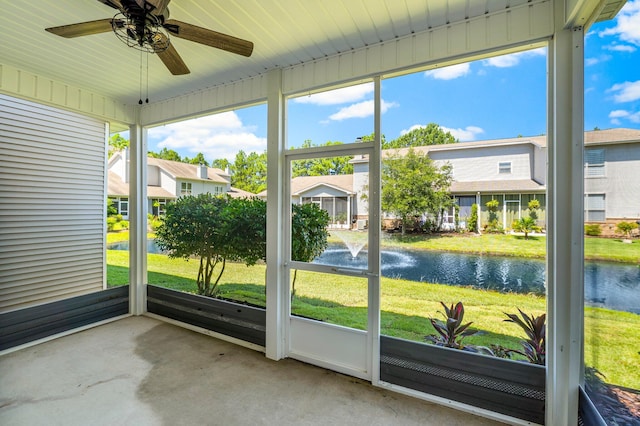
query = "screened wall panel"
x=52 y=187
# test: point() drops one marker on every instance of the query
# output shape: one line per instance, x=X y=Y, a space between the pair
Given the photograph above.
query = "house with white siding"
x=511 y=171
x=612 y=177
x=166 y=181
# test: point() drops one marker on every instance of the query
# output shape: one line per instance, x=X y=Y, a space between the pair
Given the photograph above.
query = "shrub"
x=153 y=222
x=534 y=346
x=626 y=227
x=120 y=226
x=452 y=332
x=472 y=223
x=111 y=221
x=526 y=225
x=492 y=205
x=592 y=230
x=493 y=227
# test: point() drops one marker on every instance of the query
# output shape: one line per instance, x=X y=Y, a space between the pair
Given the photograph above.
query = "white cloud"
x=591 y=61
x=411 y=129
x=627 y=24
x=216 y=136
x=469 y=133
x=626 y=92
x=338 y=96
x=620 y=48
x=450 y=72
x=513 y=59
x=360 y=110
x=616 y=115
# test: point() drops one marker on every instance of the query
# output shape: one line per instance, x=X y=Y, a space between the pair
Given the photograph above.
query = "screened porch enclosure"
x=91 y=98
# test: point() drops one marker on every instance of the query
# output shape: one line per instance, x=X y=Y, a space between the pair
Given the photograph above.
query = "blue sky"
x=501 y=97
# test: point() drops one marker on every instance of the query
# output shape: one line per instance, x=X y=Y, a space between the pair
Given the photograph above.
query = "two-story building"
x=166 y=181
x=511 y=171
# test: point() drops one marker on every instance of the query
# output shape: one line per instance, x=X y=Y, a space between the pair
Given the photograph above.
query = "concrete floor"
x=141 y=371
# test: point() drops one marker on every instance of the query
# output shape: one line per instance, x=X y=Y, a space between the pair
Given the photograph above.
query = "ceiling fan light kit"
x=145 y=25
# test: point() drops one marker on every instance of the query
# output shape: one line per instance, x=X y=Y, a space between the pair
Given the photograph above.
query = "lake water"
x=607 y=284
x=610 y=285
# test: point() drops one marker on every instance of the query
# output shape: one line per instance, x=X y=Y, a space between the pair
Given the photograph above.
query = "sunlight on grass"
x=610 y=336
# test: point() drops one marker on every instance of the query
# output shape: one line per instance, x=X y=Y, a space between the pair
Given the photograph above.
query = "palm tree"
x=526 y=225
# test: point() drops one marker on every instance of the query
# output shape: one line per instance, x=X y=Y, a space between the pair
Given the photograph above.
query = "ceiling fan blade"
x=209 y=37
x=82 y=29
x=112 y=3
x=173 y=61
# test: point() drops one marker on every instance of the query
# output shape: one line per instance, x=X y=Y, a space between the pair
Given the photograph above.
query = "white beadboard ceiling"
x=284 y=33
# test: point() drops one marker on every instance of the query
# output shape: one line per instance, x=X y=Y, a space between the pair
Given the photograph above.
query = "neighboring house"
x=512 y=171
x=332 y=193
x=612 y=177
x=166 y=181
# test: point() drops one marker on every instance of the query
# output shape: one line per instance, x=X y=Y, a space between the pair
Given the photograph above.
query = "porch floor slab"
x=141 y=371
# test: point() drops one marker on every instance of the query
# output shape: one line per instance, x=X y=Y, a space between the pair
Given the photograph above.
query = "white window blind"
x=594 y=162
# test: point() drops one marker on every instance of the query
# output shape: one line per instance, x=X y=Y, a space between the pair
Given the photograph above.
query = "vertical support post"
x=138 y=220
x=277 y=289
x=565 y=297
x=374 y=237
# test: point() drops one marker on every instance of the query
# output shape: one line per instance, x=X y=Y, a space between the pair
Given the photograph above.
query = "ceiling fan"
x=145 y=25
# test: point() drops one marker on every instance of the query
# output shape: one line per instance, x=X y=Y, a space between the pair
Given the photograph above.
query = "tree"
x=198 y=159
x=472 y=224
x=526 y=225
x=308 y=234
x=322 y=166
x=218 y=229
x=431 y=134
x=626 y=227
x=197 y=226
x=221 y=163
x=413 y=185
x=166 y=154
x=117 y=143
x=246 y=230
x=249 y=172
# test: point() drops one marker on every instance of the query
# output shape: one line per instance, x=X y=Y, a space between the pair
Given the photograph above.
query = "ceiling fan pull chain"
x=140 y=88
x=147 y=99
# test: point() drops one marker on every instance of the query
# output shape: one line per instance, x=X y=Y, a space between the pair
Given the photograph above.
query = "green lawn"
x=611 y=337
x=608 y=249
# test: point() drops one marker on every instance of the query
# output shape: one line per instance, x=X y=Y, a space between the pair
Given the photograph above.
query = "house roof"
x=302 y=184
x=180 y=170
x=515 y=185
x=593 y=137
x=611 y=136
x=116 y=187
x=240 y=193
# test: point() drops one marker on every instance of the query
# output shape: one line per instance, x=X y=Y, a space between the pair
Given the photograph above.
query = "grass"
x=606 y=249
x=610 y=336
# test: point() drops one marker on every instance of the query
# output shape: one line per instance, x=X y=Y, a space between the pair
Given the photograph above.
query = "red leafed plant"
x=534 y=346
x=450 y=332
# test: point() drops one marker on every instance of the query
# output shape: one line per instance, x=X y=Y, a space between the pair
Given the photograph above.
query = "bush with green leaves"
x=472 y=222
x=493 y=227
x=196 y=226
x=217 y=229
x=308 y=234
x=592 y=230
x=625 y=228
x=525 y=225
x=153 y=222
